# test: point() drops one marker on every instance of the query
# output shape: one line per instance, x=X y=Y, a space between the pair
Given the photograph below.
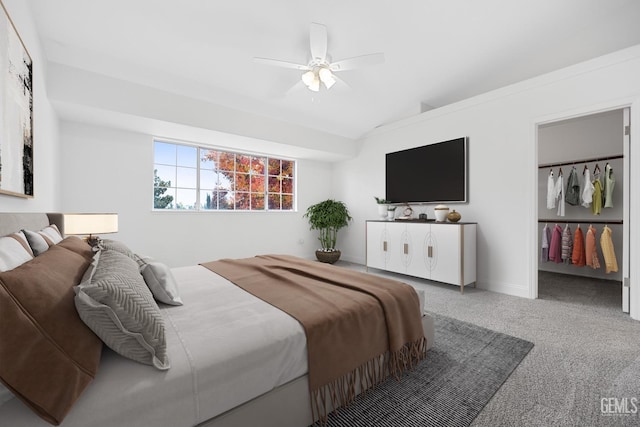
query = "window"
x=202 y=179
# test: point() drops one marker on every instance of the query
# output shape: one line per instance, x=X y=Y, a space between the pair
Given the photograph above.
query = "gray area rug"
x=461 y=373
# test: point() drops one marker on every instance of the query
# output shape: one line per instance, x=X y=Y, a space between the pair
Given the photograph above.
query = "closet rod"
x=575 y=162
x=578 y=221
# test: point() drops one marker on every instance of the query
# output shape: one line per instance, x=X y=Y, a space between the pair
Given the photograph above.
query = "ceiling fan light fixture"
x=326 y=76
x=315 y=84
x=308 y=78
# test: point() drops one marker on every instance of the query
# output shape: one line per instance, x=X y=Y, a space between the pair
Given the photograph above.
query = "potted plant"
x=328 y=217
x=391 y=212
x=382 y=207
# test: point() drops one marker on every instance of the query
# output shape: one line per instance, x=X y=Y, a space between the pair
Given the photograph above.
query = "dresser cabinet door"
x=446 y=263
x=378 y=245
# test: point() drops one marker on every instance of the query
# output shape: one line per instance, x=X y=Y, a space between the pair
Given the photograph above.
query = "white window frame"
x=198 y=203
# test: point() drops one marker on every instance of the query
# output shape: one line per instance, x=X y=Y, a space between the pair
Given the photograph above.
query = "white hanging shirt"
x=551 y=192
x=587 y=191
x=559 y=191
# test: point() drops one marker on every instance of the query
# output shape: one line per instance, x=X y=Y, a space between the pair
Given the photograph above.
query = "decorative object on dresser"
x=454 y=216
x=443 y=252
x=90 y=224
x=382 y=207
x=391 y=212
x=328 y=217
x=16 y=104
x=441 y=212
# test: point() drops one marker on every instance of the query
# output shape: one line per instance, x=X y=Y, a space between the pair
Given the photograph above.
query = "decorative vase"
x=382 y=211
x=441 y=212
x=454 y=216
x=328 y=256
x=391 y=215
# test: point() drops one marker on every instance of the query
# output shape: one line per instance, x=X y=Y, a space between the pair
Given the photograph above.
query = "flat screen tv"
x=434 y=173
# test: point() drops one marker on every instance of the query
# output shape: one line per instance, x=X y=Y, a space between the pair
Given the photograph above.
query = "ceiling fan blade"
x=282 y=64
x=357 y=62
x=318 y=42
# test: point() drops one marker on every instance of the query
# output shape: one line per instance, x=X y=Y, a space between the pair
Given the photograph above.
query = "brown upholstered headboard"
x=10 y=222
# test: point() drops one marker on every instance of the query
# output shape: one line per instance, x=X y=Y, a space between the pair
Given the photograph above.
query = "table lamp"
x=90 y=224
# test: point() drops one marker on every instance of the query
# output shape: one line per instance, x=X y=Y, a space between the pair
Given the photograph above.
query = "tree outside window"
x=196 y=178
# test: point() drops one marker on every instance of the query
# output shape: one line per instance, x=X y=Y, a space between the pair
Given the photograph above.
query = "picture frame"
x=16 y=112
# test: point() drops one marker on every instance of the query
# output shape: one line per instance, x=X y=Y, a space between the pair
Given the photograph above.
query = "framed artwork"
x=16 y=112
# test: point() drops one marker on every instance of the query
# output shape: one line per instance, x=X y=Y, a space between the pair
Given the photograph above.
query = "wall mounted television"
x=434 y=173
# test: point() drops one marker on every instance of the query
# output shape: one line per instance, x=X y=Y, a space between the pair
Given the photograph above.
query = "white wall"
x=46 y=148
x=109 y=170
x=501 y=126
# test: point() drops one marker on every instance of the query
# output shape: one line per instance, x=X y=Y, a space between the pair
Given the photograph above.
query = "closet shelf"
x=575 y=162
x=581 y=221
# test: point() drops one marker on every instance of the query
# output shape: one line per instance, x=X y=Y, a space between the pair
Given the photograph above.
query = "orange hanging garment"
x=578 y=256
x=592 y=253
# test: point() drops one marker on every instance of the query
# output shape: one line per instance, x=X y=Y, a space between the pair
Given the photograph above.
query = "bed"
x=235 y=360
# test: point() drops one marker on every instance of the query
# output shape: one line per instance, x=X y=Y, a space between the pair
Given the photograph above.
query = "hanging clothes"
x=567 y=245
x=590 y=247
x=578 y=257
x=609 y=254
x=551 y=191
x=596 y=204
x=555 y=247
x=559 y=189
x=587 y=191
x=609 y=183
x=546 y=238
x=572 y=195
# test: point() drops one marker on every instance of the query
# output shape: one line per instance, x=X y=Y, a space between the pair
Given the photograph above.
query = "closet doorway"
x=577 y=158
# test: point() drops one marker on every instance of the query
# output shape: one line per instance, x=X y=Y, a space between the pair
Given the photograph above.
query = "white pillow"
x=160 y=281
x=52 y=233
x=14 y=251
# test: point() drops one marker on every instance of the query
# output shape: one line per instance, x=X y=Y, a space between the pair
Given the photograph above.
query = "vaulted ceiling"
x=436 y=52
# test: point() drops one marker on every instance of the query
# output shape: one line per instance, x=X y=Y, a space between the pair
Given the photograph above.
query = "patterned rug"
x=462 y=371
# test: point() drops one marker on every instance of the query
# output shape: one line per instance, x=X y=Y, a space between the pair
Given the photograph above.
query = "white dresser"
x=443 y=252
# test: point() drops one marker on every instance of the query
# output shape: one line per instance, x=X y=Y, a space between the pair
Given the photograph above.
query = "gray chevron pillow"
x=114 y=301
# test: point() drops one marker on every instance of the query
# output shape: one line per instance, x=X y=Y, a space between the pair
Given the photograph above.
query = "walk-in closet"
x=582 y=246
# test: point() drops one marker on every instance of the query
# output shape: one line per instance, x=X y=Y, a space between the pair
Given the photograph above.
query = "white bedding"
x=225 y=347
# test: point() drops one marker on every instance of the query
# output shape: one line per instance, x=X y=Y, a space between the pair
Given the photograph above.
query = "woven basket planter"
x=328 y=257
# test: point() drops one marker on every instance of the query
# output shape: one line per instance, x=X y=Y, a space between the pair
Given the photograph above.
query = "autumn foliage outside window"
x=196 y=178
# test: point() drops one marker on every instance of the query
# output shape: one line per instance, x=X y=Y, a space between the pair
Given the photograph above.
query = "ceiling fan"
x=320 y=69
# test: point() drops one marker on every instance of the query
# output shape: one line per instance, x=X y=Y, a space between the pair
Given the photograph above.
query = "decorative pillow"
x=116 y=304
x=79 y=246
x=48 y=355
x=116 y=245
x=160 y=281
x=38 y=243
x=52 y=233
x=14 y=251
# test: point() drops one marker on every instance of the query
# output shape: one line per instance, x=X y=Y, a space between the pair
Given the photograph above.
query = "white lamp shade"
x=90 y=223
x=326 y=76
x=308 y=78
x=315 y=84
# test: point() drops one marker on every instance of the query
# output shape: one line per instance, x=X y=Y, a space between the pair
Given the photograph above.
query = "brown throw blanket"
x=360 y=328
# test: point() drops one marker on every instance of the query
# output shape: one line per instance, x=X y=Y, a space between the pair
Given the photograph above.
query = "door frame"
x=631 y=210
